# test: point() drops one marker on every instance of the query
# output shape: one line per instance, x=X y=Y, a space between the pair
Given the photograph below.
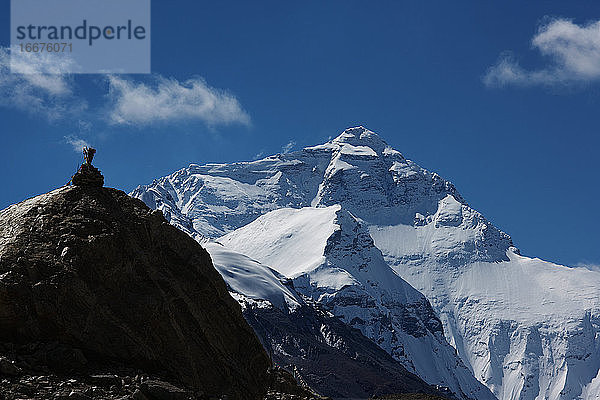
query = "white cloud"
x=288 y=147
x=573 y=51
x=136 y=103
x=77 y=143
x=34 y=83
x=589 y=266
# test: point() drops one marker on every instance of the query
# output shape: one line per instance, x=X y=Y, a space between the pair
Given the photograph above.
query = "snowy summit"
x=395 y=251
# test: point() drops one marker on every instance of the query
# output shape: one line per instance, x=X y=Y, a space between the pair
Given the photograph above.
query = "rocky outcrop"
x=44 y=371
x=39 y=371
x=88 y=175
x=110 y=282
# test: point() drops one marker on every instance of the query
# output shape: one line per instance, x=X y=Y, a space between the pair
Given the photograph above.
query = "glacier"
x=308 y=340
x=523 y=327
x=331 y=259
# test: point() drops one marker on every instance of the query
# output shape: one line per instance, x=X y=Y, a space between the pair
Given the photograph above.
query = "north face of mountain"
x=520 y=332
x=357 y=169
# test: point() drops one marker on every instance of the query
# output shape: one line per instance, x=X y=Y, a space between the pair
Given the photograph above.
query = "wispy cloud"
x=590 y=266
x=33 y=83
x=37 y=84
x=168 y=100
x=288 y=147
x=573 y=52
x=76 y=140
x=77 y=143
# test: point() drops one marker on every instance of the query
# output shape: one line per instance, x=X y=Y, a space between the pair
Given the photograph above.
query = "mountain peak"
x=361 y=136
x=353 y=132
x=357 y=141
x=517 y=330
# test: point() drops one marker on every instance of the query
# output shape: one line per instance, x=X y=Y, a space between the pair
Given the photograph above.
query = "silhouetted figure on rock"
x=88 y=154
x=88 y=175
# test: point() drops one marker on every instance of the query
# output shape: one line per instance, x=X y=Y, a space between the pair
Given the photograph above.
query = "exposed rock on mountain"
x=112 y=283
x=88 y=175
x=330 y=356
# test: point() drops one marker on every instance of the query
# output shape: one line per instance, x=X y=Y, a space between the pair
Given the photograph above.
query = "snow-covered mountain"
x=308 y=340
x=526 y=328
x=331 y=259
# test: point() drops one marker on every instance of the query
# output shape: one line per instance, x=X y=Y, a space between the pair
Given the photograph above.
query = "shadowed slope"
x=96 y=270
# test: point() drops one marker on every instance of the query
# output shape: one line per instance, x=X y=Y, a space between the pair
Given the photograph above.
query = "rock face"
x=111 y=281
x=330 y=356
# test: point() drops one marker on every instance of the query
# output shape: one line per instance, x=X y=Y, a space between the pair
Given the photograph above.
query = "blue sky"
x=502 y=99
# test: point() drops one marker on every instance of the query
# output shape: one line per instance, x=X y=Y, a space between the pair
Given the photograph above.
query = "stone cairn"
x=88 y=175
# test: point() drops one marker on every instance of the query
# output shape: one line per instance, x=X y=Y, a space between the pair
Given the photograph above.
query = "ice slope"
x=307 y=340
x=528 y=328
x=254 y=282
x=217 y=198
x=433 y=239
x=331 y=258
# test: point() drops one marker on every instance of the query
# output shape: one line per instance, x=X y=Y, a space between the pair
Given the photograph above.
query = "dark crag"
x=87 y=174
x=102 y=278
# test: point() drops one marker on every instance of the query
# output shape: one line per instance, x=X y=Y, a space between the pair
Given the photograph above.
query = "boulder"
x=97 y=271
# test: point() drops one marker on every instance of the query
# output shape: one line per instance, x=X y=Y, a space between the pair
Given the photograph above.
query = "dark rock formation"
x=107 y=282
x=329 y=356
x=34 y=380
x=88 y=175
x=410 y=396
x=35 y=371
